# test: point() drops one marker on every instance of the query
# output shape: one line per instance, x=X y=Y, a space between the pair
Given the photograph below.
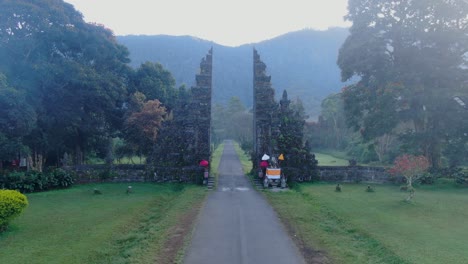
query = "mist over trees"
x=411 y=57
x=232 y=121
x=69 y=87
x=66 y=87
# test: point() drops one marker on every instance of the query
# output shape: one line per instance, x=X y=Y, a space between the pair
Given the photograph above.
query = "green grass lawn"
x=77 y=226
x=354 y=226
x=329 y=160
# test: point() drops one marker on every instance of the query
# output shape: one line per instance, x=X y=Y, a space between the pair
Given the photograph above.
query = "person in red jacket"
x=263 y=166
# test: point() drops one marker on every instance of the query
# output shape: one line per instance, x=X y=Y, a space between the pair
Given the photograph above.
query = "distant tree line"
x=233 y=121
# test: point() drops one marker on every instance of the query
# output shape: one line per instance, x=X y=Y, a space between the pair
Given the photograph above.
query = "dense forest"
x=68 y=93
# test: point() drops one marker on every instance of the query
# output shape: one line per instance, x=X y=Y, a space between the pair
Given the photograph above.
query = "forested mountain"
x=302 y=62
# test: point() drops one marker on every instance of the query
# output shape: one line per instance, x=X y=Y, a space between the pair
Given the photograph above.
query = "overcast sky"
x=226 y=22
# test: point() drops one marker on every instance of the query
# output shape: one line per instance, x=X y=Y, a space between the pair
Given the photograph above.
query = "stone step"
x=210 y=183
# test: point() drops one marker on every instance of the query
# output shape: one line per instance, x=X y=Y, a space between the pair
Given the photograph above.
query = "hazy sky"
x=226 y=22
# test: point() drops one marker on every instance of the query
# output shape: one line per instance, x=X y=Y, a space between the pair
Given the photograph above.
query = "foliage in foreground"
x=12 y=203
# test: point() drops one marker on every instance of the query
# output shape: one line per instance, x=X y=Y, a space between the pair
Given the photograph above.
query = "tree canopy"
x=70 y=81
x=412 y=59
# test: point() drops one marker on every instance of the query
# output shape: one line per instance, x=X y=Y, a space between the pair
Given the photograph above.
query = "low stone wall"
x=354 y=174
x=193 y=174
x=134 y=173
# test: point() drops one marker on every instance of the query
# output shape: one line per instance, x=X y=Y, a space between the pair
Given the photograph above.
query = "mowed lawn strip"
x=77 y=226
x=244 y=159
x=329 y=160
x=354 y=226
x=216 y=159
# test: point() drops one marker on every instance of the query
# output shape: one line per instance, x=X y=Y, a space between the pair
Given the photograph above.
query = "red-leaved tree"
x=411 y=167
x=143 y=126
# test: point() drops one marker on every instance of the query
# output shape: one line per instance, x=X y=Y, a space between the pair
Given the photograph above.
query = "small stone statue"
x=338 y=188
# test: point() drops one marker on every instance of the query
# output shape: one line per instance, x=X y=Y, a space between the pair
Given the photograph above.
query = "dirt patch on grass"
x=311 y=255
x=178 y=235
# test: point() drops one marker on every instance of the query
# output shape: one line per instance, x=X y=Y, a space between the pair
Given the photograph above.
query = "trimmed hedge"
x=12 y=204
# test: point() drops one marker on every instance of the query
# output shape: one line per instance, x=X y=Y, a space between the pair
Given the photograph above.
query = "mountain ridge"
x=302 y=62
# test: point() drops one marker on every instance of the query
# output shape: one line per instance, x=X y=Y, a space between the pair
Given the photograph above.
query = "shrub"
x=62 y=178
x=426 y=178
x=12 y=204
x=12 y=180
x=461 y=177
x=338 y=188
x=33 y=181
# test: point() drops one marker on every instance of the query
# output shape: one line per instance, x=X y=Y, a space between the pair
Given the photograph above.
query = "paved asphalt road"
x=237 y=225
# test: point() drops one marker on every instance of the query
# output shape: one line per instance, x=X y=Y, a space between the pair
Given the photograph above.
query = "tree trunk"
x=110 y=152
x=411 y=195
x=433 y=154
x=382 y=145
x=409 y=182
x=78 y=155
x=410 y=188
x=35 y=162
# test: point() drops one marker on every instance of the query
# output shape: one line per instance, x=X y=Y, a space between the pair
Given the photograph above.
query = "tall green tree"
x=17 y=119
x=74 y=74
x=411 y=60
x=218 y=123
x=155 y=82
x=334 y=132
x=233 y=122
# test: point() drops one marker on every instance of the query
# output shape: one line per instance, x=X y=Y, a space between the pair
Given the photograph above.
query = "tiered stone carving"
x=200 y=111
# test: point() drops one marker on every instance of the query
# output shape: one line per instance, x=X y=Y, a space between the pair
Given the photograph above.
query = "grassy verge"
x=76 y=226
x=354 y=226
x=216 y=158
x=244 y=159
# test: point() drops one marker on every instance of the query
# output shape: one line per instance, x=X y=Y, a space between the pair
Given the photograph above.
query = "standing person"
x=263 y=166
x=204 y=164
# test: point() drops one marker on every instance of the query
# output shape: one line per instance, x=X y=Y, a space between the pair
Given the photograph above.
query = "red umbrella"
x=204 y=163
x=264 y=164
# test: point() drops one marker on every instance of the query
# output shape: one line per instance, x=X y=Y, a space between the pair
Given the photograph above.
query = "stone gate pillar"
x=200 y=110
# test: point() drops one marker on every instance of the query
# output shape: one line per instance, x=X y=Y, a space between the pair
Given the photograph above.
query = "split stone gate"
x=198 y=132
